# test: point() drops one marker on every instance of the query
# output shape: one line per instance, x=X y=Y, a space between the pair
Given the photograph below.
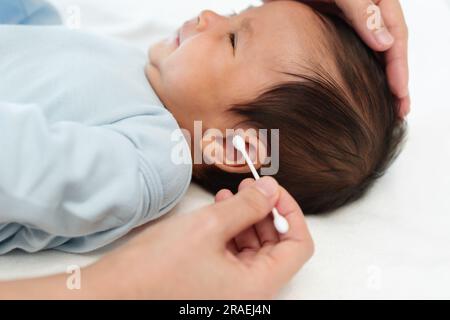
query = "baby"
x=87 y=132
x=284 y=66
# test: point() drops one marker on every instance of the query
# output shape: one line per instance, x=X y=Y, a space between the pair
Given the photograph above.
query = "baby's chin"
x=159 y=51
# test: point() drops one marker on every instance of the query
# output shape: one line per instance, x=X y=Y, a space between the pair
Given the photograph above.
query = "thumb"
x=249 y=206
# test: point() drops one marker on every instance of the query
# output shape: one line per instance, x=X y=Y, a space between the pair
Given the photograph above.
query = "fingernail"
x=384 y=37
x=268 y=186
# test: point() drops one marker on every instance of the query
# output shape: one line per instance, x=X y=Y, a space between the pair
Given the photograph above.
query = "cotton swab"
x=280 y=222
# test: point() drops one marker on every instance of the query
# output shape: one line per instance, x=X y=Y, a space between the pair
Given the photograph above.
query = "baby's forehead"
x=286 y=33
x=285 y=16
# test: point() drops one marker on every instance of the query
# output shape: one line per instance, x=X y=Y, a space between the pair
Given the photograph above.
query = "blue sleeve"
x=28 y=12
x=70 y=186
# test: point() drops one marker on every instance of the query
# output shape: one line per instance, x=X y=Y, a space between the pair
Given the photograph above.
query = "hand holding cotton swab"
x=280 y=222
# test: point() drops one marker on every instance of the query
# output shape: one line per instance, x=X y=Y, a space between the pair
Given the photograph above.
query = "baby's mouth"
x=182 y=32
x=177 y=39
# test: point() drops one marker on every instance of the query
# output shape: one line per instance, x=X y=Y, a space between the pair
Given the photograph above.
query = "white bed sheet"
x=392 y=244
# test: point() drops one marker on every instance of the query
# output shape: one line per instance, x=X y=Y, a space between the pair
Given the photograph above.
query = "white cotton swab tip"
x=239 y=144
x=280 y=222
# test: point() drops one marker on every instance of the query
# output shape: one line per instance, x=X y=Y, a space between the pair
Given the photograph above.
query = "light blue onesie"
x=85 y=144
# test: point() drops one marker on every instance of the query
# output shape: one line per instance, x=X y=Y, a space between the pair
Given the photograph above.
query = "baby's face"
x=217 y=61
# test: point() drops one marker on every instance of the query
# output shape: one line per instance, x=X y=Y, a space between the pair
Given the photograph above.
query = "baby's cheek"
x=183 y=85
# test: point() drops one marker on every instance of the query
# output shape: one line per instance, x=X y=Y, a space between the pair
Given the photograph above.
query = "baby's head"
x=284 y=66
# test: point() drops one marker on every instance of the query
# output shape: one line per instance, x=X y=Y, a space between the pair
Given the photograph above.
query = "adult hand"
x=229 y=250
x=390 y=37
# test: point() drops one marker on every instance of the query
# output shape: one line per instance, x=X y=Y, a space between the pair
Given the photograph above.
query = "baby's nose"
x=207 y=18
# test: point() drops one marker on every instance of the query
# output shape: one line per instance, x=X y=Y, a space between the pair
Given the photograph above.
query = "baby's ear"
x=218 y=150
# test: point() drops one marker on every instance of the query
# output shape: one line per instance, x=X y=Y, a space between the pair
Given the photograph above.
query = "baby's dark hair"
x=337 y=136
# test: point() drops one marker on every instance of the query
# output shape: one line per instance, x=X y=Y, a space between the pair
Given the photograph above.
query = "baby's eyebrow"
x=247 y=28
x=245 y=25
